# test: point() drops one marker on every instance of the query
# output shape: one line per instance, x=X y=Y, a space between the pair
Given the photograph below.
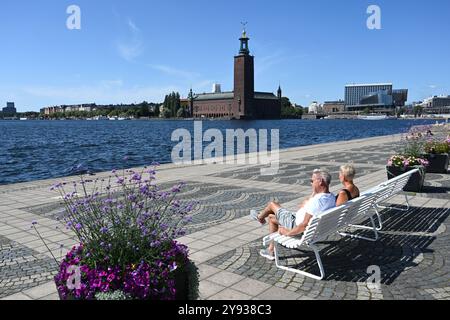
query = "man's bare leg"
x=273 y=227
x=271 y=209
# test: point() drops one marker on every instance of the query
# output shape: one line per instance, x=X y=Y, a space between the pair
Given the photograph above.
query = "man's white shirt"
x=317 y=205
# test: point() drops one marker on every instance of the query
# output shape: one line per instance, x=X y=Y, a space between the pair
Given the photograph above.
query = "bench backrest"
x=325 y=224
x=395 y=185
x=331 y=221
x=362 y=207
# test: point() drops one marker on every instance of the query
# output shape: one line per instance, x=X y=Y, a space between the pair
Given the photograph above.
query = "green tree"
x=157 y=112
x=180 y=113
x=366 y=110
x=288 y=111
x=418 y=111
x=144 y=110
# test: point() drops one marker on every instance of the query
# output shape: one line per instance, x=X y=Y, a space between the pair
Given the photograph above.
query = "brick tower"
x=244 y=81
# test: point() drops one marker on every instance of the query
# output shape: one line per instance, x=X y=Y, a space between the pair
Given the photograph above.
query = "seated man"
x=290 y=223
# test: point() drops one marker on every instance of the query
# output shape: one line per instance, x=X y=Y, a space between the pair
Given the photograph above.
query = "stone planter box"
x=438 y=163
x=415 y=183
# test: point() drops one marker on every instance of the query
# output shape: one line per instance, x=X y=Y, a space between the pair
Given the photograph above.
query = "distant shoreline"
x=219 y=119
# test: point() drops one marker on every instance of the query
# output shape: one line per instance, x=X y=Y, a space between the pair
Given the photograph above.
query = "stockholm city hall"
x=242 y=103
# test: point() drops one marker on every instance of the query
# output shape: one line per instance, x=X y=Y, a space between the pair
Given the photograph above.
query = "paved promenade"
x=413 y=251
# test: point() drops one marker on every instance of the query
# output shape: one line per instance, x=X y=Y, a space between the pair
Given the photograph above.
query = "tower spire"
x=244 y=40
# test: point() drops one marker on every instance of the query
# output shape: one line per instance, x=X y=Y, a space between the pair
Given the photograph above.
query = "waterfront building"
x=241 y=103
x=333 y=106
x=437 y=104
x=68 y=108
x=315 y=108
x=375 y=96
x=9 y=110
x=399 y=97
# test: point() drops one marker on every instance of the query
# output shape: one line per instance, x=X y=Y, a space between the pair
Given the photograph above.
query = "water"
x=33 y=150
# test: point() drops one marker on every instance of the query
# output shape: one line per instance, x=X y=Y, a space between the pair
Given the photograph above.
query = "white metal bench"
x=391 y=188
x=331 y=222
x=343 y=217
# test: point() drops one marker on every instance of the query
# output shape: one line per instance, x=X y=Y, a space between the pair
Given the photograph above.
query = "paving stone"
x=208 y=288
x=230 y=294
x=226 y=279
x=278 y=294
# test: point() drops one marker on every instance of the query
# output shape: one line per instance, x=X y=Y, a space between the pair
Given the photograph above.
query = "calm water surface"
x=32 y=150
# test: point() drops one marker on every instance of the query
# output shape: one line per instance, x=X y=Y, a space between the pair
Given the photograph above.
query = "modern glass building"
x=10 y=109
x=358 y=96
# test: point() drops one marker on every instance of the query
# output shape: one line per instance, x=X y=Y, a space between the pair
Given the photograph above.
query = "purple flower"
x=136 y=177
x=173 y=266
x=104 y=230
x=78 y=226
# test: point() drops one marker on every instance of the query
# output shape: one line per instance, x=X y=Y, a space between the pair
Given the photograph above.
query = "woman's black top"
x=349 y=194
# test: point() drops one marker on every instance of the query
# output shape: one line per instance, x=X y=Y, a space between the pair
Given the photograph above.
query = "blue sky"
x=135 y=50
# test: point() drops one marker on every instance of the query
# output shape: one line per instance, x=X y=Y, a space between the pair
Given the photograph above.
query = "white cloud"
x=133 y=26
x=266 y=62
x=171 y=71
x=133 y=47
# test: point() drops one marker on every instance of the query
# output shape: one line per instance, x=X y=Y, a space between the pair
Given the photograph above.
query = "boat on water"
x=376 y=117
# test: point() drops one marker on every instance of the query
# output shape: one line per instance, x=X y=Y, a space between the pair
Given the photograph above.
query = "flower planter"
x=438 y=163
x=181 y=286
x=415 y=183
x=186 y=284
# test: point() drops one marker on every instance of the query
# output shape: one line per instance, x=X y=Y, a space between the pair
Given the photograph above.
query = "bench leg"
x=377 y=206
x=399 y=209
x=304 y=273
x=373 y=228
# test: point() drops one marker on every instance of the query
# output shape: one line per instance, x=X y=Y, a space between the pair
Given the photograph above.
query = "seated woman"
x=346 y=175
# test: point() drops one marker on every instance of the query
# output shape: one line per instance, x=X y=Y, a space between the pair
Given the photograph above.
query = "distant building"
x=10 y=110
x=436 y=102
x=69 y=108
x=378 y=96
x=333 y=106
x=242 y=103
x=436 y=105
x=315 y=108
x=400 y=97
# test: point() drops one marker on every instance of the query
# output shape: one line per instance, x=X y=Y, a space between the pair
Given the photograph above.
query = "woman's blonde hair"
x=348 y=172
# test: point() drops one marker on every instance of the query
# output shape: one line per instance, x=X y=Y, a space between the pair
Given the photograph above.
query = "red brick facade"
x=243 y=102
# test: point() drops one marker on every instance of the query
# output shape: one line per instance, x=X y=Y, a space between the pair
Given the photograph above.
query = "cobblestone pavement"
x=412 y=253
x=21 y=268
x=409 y=255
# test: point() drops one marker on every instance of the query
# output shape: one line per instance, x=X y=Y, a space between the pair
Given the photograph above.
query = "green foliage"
x=111 y=296
x=180 y=113
x=366 y=110
x=418 y=111
x=172 y=104
x=413 y=143
x=437 y=147
x=167 y=113
x=194 y=281
x=288 y=111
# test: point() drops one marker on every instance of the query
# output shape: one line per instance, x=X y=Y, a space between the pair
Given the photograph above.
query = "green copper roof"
x=265 y=95
x=214 y=96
